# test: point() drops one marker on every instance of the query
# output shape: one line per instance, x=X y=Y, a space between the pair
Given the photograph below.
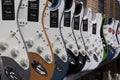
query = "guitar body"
x=95 y=39
x=116 y=43
x=107 y=30
x=104 y=42
x=86 y=30
x=51 y=20
x=12 y=48
x=41 y=56
x=75 y=59
x=77 y=19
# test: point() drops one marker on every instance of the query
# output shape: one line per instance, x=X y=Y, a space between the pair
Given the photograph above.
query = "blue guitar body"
x=60 y=69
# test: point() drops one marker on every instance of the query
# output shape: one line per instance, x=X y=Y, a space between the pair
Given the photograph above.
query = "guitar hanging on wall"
x=95 y=38
x=115 y=40
x=53 y=13
x=108 y=32
x=37 y=42
x=77 y=20
x=75 y=60
x=86 y=31
x=12 y=48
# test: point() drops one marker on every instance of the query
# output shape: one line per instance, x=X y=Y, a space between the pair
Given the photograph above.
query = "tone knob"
x=40 y=49
x=3 y=45
x=87 y=47
x=70 y=46
x=14 y=52
x=95 y=49
x=83 y=53
x=30 y=43
x=24 y=62
x=64 y=57
x=98 y=53
x=57 y=50
x=48 y=58
x=76 y=52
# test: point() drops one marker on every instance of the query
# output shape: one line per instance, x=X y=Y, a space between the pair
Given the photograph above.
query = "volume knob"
x=48 y=58
x=14 y=52
x=57 y=50
x=24 y=62
x=3 y=45
x=70 y=46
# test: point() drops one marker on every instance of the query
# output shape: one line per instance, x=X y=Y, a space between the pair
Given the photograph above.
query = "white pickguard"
x=117 y=46
x=95 y=37
x=53 y=32
x=108 y=32
x=87 y=39
x=11 y=43
x=67 y=32
x=33 y=34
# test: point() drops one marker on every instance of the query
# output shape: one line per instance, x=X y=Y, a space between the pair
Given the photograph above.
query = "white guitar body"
x=108 y=31
x=116 y=43
x=87 y=23
x=11 y=43
x=30 y=25
x=53 y=15
x=95 y=39
x=67 y=31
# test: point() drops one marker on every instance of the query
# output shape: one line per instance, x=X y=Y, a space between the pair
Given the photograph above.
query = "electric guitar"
x=118 y=33
x=115 y=40
x=108 y=32
x=77 y=20
x=86 y=30
x=76 y=62
x=52 y=16
x=40 y=53
x=12 y=48
x=95 y=38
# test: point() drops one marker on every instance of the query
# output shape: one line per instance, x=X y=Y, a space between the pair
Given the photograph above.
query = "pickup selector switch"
x=30 y=43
